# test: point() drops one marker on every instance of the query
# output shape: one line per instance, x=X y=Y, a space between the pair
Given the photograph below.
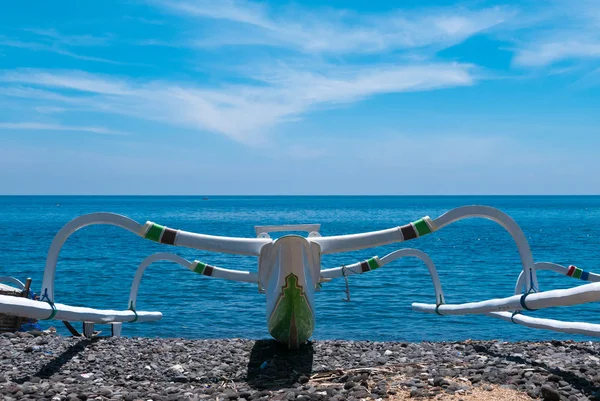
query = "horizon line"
x=290 y=196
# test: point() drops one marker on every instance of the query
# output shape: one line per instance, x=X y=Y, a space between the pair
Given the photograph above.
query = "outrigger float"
x=289 y=274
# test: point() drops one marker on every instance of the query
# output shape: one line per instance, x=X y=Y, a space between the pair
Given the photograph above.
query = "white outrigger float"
x=289 y=273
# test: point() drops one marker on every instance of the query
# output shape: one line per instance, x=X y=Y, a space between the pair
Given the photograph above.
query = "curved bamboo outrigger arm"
x=508 y=309
x=588 y=329
x=195 y=266
x=573 y=296
x=376 y=262
x=15 y=281
x=344 y=243
x=24 y=307
x=252 y=246
x=151 y=231
x=570 y=271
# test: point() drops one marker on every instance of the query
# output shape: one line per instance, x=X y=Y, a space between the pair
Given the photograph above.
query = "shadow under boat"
x=54 y=365
x=272 y=366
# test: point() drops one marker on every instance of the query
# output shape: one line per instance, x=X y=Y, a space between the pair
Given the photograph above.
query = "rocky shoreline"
x=63 y=368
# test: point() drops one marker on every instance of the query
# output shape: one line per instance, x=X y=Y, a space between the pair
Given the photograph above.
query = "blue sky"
x=245 y=97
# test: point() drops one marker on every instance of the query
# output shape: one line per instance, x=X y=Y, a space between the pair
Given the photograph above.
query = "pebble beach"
x=53 y=367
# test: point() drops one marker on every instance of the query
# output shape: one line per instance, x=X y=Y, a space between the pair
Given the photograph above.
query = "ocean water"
x=476 y=260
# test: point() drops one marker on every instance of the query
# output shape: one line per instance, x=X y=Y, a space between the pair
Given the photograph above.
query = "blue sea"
x=476 y=260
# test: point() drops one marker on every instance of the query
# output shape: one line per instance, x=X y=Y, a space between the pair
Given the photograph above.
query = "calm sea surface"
x=475 y=258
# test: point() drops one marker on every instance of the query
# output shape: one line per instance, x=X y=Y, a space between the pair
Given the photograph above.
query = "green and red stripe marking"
x=203 y=268
x=368 y=265
x=161 y=234
x=576 y=272
x=292 y=320
x=416 y=229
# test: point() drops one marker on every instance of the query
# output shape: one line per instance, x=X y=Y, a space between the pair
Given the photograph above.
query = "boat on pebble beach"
x=290 y=273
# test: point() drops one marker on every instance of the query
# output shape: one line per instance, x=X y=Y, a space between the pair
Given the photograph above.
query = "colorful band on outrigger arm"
x=203 y=268
x=370 y=264
x=156 y=232
x=418 y=228
x=576 y=272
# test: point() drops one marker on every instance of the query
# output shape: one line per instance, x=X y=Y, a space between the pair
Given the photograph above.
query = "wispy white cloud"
x=337 y=31
x=253 y=13
x=542 y=54
x=52 y=41
x=6 y=42
x=41 y=95
x=548 y=51
x=542 y=33
x=322 y=59
x=242 y=112
x=50 y=109
x=54 y=37
x=35 y=126
x=76 y=80
x=559 y=31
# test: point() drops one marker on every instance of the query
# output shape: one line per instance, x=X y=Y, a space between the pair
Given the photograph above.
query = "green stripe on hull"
x=292 y=321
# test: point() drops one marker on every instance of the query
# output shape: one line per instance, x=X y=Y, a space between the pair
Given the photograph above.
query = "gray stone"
x=104 y=391
x=348 y=385
x=554 y=378
x=549 y=393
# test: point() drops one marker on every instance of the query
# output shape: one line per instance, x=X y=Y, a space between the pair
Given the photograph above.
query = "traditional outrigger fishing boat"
x=289 y=273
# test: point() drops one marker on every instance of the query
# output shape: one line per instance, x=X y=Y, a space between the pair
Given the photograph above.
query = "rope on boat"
x=347 y=284
x=437 y=307
x=522 y=300
x=54 y=310
x=49 y=302
x=131 y=308
x=512 y=317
